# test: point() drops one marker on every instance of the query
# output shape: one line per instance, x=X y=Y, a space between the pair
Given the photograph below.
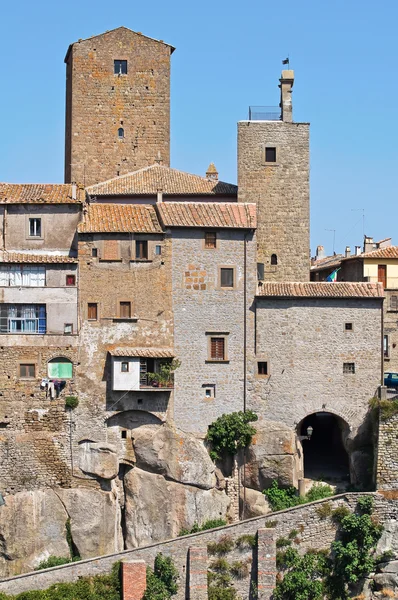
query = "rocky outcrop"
x=94 y=521
x=271 y=455
x=175 y=455
x=157 y=509
x=99 y=460
x=32 y=528
x=253 y=503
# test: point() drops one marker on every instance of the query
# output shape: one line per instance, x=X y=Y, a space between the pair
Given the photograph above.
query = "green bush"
x=224 y=545
x=281 y=499
x=71 y=402
x=162 y=580
x=318 y=492
x=240 y=568
x=211 y=524
x=52 y=561
x=229 y=433
x=246 y=541
x=303 y=577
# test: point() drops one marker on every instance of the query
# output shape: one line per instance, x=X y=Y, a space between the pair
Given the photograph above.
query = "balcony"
x=265 y=113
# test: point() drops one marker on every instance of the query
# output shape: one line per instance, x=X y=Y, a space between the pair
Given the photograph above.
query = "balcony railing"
x=264 y=113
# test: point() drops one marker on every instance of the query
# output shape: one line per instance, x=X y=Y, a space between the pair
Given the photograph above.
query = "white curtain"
x=23 y=275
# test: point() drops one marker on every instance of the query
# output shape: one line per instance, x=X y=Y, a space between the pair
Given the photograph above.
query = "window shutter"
x=394 y=303
x=217 y=348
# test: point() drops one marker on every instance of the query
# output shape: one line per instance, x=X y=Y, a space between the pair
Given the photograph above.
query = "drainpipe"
x=382 y=347
x=244 y=359
x=4 y=227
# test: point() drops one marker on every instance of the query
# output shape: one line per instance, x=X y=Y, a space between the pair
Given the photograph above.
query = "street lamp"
x=308 y=436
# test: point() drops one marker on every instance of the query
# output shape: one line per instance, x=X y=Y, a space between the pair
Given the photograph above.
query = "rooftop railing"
x=264 y=113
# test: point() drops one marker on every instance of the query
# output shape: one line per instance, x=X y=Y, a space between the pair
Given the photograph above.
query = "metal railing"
x=264 y=113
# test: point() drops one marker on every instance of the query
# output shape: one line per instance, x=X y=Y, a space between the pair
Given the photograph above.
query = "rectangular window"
x=120 y=67
x=348 y=326
x=210 y=240
x=27 y=371
x=141 y=249
x=35 y=227
x=71 y=280
x=394 y=303
x=23 y=318
x=124 y=367
x=270 y=155
x=262 y=368
x=260 y=271
x=217 y=348
x=92 y=311
x=125 y=310
x=227 y=277
x=22 y=275
x=348 y=367
x=386 y=347
x=94 y=252
x=158 y=250
x=68 y=328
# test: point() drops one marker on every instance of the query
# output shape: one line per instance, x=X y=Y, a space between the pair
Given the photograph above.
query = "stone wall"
x=98 y=103
x=281 y=192
x=315 y=531
x=387 y=454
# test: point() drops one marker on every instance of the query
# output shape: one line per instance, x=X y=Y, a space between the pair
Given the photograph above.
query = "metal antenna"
x=363 y=219
x=334 y=236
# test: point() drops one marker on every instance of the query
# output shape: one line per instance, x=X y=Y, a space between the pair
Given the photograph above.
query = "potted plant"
x=164 y=376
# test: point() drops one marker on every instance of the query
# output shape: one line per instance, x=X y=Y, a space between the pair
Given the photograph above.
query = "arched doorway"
x=325 y=457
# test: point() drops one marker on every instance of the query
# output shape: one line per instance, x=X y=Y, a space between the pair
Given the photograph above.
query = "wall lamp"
x=310 y=431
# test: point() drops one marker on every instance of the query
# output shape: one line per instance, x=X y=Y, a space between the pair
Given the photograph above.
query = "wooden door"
x=382 y=274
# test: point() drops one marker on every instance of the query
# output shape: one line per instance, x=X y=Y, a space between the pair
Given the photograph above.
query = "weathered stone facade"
x=116 y=123
x=387 y=454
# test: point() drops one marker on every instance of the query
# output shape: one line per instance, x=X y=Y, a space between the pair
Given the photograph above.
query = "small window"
x=120 y=67
x=208 y=393
x=125 y=310
x=270 y=155
x=60 y=368
x=124 y=434
x=394 y=303
x=124 y=367
x=35 y=227
x=260 y=271
x=227 y=277
x=94 y=252
x=27 y=371
x=348 y=326
x=141 y=250
x=120 y=133
x=158 y=250
x=71 y=280
x=217 y=348
x=262 y=368
x=68 y=328
x=386 y=346
x=92 y=311
x=348 y=367
x=210 y=240
x=274 y=259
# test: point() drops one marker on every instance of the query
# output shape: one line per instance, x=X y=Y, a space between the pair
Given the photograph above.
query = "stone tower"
x=273 y=172
x=117 y=105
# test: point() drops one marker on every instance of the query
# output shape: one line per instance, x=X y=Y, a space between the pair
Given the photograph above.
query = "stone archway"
x=325 y=455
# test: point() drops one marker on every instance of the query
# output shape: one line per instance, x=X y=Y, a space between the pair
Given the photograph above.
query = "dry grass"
x=388 y=593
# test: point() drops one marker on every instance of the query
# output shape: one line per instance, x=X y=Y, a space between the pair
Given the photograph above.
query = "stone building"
x=273 y=172
x=117 y=105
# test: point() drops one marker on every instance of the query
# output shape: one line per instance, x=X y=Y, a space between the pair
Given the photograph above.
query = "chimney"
x=357 y=250
x=212 y=172
x=158 y=158
x=74 y=191
x=368 y=244
x=159 y=196
x=320 y=253
x=286 y=85
x=347 y=251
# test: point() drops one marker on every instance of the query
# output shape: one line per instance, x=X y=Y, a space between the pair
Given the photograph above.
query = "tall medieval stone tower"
x=117 y=105
x=273 y=172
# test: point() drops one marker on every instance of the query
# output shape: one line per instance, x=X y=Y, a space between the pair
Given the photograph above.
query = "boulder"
x=98 y=459
x=94 y=521
x=271 y=455
x=175 y=455
x=157 y=509
x=389 y=537
x=32 y=528
x=253 y=503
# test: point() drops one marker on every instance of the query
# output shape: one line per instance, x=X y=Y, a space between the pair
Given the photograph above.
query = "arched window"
x=120 y=133
x=274 y=259
x=60 y=368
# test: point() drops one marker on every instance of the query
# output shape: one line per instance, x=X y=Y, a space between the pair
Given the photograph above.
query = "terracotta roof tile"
x=389 y=252
x=43 y=193
x=156 y=178
x=321 y=290
x=207 y=214
x=121 y=218
x=143 y=352
x=19 y=257
x=327 y=262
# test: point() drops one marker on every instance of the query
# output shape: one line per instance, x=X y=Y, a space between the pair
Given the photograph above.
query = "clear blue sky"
x=228 y=56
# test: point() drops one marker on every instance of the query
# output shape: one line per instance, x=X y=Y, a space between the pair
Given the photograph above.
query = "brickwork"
x=198 y=573
x=203 y=309
x=100 y=102
x=316 y=531
x=281 y=192
x=133 y=579
x=266 y=557
x=387 y=454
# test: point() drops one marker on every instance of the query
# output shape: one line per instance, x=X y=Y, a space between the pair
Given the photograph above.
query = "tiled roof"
x=327 y=262
x=43 y=193
x=321 y=290
x=143 y=352
x=156 y=178
x=19 y=257
x=389 y=252
x=122 y=218
x=207 y=214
